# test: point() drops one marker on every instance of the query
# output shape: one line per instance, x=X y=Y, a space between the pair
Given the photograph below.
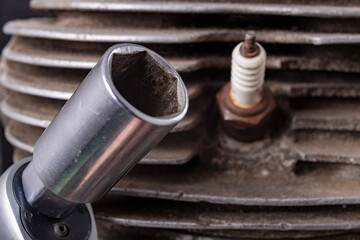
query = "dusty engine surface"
x=301 y=181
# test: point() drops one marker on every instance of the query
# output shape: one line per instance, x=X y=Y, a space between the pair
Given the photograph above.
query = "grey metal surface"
x=40 y=112
x=22 y=136
x=245 y=234
x=110 y=231
x=43 y=82
x=292 y=8
x=326 y=114
x=31 y=110
x=11 y=224
x=242 y=189
x=53 y=29
x=234 y=186
x=151 y=213
x=60 y=84
x=9 y=209
x=19 y=154
x=277 y=172
x=104 y=130
x=313 y=84
x=42 y=57
x=85 y=55
x=327 y=146
x=174 y=149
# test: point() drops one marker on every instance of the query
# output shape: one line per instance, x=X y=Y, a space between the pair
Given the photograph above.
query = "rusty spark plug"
x=245 y=103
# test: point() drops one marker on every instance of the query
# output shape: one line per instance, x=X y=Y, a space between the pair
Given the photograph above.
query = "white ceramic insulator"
x=247 y=77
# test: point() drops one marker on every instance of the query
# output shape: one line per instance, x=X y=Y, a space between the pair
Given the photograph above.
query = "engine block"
x=302 y=181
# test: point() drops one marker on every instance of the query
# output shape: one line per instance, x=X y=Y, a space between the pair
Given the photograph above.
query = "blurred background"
x=9 y=10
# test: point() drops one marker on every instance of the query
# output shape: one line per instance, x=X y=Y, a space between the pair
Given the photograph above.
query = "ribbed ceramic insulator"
x=247 y=78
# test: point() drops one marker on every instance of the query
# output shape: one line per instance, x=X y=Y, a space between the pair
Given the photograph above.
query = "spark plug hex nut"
x=245 y=124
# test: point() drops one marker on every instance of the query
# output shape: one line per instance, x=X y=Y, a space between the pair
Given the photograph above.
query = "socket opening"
x=144 y=83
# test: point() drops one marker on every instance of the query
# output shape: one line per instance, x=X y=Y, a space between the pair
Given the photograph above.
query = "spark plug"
x=245 y=102
x=247 y=72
